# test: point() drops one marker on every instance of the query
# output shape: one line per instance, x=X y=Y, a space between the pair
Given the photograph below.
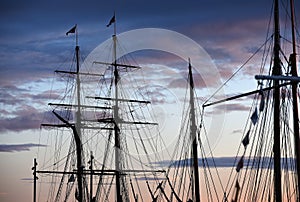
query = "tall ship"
x=108 y=145
x=105 y=138
x=267 y=166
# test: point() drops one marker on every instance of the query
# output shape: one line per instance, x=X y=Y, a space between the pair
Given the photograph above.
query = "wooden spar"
x=85 y=172
x=34 y=179
x=80 y=73
x=67 y=126
x=83 y=106
x=78 y=154
x=243 y=95
x=194 y=137
x=276 y=116
x=294 y=79
x=119 y=65
x=116 y=117
x=99 y=172
x=295 y=100
x=77 y=129
x=120 y=100
x=91 y=177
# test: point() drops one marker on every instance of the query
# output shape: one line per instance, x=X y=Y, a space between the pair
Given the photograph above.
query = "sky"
x=33 y=44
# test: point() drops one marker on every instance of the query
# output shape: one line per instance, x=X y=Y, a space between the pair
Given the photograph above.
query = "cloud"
x=158 y=94
x=239 y=131
x=32 y=121
x=229 y=162
x=228 y=108
x=33 y=41
x=26 y=179
x=198 y=82
x=219 y=162
x=24 y=108
x=234 y=107
x=18 y=147
x=24 y=118
x=33 y=33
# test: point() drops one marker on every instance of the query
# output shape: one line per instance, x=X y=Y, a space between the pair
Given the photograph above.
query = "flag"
x=237 y=185
x=254 y=117
x=77 y=195
x=72 y=30
x=246 y=140
x=262 y=101
x=240 y=164
x=71 y=178
x=112 y=20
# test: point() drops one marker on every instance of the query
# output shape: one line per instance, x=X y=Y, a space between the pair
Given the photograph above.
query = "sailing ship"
x=266 y=167
x=112 y=143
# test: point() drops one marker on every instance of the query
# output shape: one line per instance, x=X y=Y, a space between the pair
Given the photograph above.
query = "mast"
x=194 y=137
x=116 y=117
x=91 y=177
x=34 y=179
x=116 y=120
x=293 y=61
x=276 y=97
x=78 y=126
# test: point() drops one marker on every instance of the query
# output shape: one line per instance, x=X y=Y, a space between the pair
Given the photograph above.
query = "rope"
x=242 y=66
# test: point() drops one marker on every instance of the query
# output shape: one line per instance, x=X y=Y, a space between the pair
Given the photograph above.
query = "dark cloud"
x=18 y=147
x=26 y=179
x=219 y=162
x=25 y=118
x=11 y=95
x=33 y=42
x=33 y=33
x=228 y=162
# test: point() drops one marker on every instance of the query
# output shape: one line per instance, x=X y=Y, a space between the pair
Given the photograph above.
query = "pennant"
x=237 y=185
x=77 y=195
x=246 y=139
x=240 y=164
x=72 y=30
x=112 y=20
x=254 y=117
x=71 y=178
x=262 y=101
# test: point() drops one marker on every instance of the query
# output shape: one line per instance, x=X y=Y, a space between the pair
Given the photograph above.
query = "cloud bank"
x=18 y=147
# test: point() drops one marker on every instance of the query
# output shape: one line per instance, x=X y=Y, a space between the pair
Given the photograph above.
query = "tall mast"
x=293 y=61
x=116 y=117
x=276 y=97
x=77 y=131
x=194 y=137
